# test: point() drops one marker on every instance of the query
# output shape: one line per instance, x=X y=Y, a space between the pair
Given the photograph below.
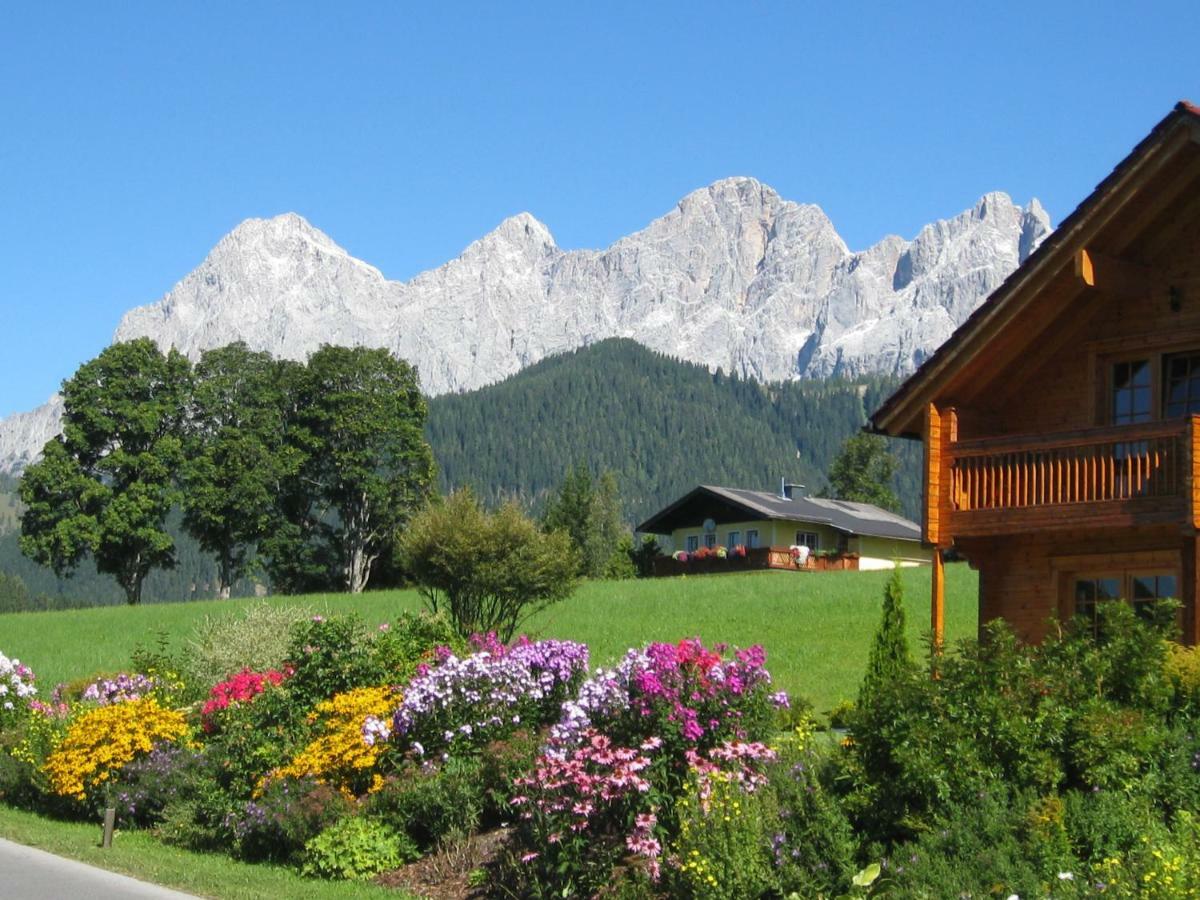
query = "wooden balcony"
x=755 y=558
x=1103 y=477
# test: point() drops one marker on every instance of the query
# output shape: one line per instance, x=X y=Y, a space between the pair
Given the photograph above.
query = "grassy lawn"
x=138 y=854
x=816 y=627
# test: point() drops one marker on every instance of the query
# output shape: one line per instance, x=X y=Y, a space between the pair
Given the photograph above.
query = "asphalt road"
x=29 y=874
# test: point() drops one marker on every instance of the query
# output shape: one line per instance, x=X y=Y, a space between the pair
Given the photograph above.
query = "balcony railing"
x=1129 y=468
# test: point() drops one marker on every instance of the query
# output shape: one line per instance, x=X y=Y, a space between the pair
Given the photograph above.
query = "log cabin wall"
x=1024 y=579
x=1067 y=389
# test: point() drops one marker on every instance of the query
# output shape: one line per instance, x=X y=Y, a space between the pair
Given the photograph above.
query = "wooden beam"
x=931 y=518
x=1191 y=475
x=1189 y=589
x=937 y=602
x=1118 y=277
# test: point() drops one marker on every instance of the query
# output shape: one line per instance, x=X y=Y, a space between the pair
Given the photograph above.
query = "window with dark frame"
x=1132 y=398
x=806 y=539
x=1142 y=589
x=752 y=537
x=1181 y=384
x=735 y=538
x=693 y=543
x=1146 y=590
x=1090 y=592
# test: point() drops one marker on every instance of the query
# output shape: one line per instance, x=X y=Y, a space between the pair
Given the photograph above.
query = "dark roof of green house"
x=724 y=505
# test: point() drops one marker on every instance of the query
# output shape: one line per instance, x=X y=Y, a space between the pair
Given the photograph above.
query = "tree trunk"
x=357 y=531
x=133 y=589
x=226 y=574
x=358 y=569
x=131 y=578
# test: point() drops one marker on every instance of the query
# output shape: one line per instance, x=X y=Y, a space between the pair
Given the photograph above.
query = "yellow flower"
x=106 y=739
x=339 y=755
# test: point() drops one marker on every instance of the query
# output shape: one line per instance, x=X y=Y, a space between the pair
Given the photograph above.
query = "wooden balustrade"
x=1094 y=466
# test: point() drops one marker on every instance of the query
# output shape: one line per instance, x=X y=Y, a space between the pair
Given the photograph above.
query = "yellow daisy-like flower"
x=104 y=740
x=339 y=756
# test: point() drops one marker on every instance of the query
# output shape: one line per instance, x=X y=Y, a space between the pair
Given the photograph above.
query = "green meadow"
x=816 y=627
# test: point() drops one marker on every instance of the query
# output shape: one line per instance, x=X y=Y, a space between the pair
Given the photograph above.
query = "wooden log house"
x=1061 y=421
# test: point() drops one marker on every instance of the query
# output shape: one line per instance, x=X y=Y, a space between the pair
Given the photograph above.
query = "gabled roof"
x=1170 y=149
x=724 y=504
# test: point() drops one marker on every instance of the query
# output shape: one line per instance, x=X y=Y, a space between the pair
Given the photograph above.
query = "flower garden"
x=1067 y=770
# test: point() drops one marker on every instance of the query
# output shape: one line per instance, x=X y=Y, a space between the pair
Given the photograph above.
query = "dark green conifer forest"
x=661 y=425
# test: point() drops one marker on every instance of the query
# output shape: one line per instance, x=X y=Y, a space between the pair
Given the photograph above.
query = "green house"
x=859 y=535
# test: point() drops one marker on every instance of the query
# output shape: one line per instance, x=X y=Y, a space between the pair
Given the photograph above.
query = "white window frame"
x=802 y=540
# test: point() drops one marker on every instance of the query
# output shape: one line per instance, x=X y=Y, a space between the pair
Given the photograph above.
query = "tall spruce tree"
x=104 y=486
x=588 y=510
x=890 y=660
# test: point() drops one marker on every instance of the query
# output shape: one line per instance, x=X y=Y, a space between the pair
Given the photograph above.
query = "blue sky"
x=133 y=136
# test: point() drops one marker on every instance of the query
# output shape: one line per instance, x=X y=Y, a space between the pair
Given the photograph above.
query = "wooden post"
x=937 y=601
x=933 y=474
x=110 y=821
x=1189 y=589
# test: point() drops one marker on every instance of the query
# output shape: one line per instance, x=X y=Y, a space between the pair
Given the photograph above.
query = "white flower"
x=1066 y=876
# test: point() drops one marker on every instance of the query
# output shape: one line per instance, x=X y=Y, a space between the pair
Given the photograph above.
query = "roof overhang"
x=695 y=506
x=1160 y=175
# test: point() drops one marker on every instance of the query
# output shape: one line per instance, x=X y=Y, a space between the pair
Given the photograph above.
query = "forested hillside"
x=661 y=425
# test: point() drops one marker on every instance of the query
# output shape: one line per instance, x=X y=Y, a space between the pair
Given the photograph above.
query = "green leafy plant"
x=429 y=804
x=357 y=847
x=330 y=656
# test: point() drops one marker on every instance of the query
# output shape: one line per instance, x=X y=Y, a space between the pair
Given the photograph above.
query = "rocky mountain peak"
x=733 y=276
x=521 y=233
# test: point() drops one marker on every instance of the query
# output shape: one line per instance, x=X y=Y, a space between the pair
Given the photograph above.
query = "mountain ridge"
x=733 y=277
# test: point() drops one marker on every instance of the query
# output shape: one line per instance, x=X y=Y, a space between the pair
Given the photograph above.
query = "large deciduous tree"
x=105 y=485
x=862 y=472
x=236 y=455
x=488 y=571
x=361 y=414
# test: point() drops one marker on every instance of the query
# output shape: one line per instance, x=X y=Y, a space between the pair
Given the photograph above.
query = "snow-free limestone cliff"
x=734 y=277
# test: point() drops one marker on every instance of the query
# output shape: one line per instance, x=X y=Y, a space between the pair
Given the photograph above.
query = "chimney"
x=787 y=489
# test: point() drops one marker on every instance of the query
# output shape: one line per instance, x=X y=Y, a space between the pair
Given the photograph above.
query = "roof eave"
x=900 y=415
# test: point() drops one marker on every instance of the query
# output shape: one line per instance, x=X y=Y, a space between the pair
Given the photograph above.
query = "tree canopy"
x=362 y=415
x=863 y=470
x=235 y=456
x=106 y=485
x=487 y=571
